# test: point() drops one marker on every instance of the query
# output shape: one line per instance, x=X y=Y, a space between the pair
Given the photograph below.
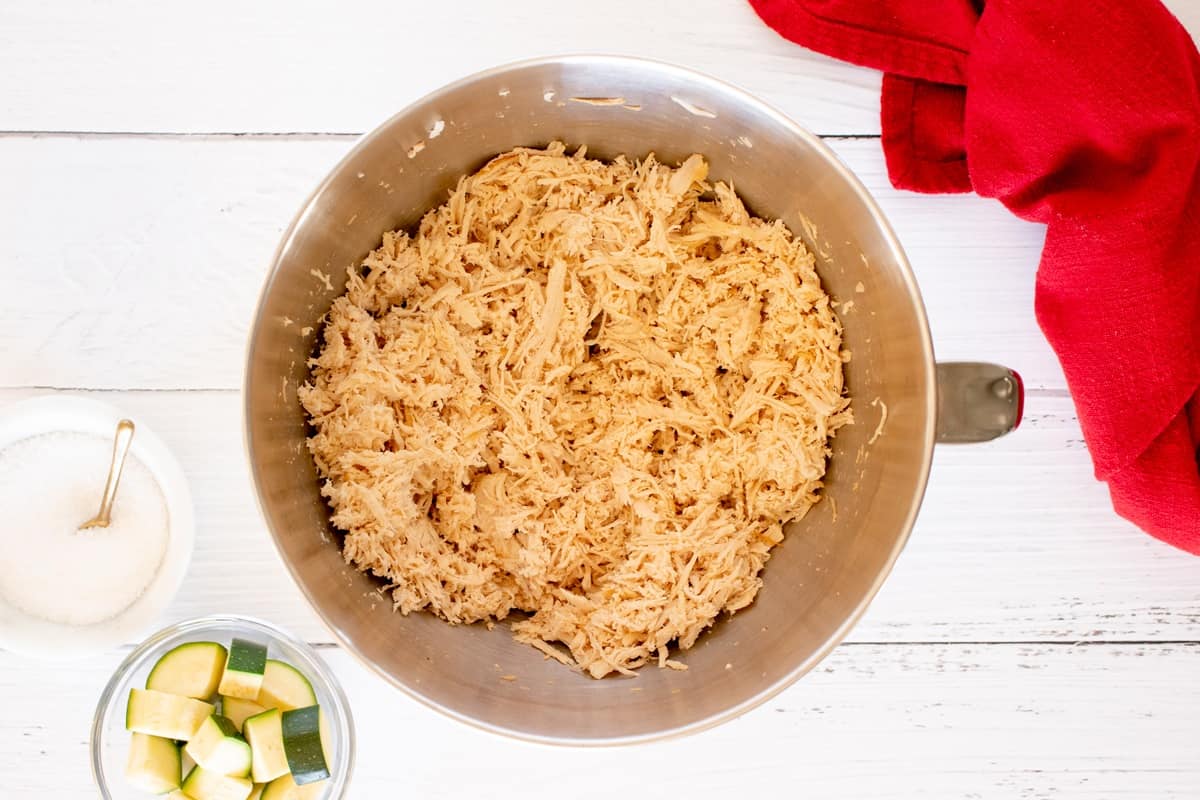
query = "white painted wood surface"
x=1029 y=643
x=873 y=722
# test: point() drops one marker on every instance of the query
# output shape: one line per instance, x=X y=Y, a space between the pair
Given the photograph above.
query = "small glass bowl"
x=110 y=740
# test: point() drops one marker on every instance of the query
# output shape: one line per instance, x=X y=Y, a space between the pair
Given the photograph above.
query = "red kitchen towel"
x=1084 y=116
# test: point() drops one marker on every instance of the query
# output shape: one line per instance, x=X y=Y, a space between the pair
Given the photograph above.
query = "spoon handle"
x=121 y=443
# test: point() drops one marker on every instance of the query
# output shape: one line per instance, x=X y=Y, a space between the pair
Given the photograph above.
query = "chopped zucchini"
x=285 y=687
x=264 y=732
x=193 y=670
x=239 y=709
x=285 y=788
x=154 y=764
x=217 y=747
x=301 y=728
x=325 y=738
x=200 y=784
x=244 y=667
x=269 y=741
x=170 y=716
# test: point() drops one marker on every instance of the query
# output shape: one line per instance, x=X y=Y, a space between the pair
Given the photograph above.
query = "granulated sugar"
x=49 y=485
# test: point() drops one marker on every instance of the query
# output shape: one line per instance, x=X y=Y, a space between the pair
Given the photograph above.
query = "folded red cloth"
x=1084 y=116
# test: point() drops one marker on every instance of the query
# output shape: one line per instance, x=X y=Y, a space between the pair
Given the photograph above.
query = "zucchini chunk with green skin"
x=200 y=784
x=170 y=716
x=285 y=788
x=218 y=747
x=154 y=764
x=285 y=687
x=302 y=744
x=193 y=669
x=244 y=667
x=239 y=710
x=264 y=732
x=257 y=792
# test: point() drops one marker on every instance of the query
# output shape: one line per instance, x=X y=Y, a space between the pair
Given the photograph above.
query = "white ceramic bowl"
x=39 y=638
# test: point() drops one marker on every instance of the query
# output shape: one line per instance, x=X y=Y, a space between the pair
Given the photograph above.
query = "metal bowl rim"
x=926 y=345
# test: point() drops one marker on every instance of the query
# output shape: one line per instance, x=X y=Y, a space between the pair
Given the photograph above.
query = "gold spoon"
x=121 y=444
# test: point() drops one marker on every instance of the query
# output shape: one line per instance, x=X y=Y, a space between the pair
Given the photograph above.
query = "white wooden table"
x=1029 y=644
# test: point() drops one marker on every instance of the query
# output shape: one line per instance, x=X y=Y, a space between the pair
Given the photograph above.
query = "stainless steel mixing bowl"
x=818 y=581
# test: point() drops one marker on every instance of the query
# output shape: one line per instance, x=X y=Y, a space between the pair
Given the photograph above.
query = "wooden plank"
x=182 y=230
x=1015 y=541
x=883 y=721
x=280 y=66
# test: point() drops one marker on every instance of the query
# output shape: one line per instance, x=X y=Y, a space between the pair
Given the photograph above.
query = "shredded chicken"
x=592 y=392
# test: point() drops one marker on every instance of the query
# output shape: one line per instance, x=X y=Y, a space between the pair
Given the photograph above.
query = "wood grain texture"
x=884 y=722
x=140 y=259
x=1015 y=542
x=347 y=66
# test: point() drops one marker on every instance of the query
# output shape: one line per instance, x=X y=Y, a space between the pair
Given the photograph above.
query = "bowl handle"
x=977 y=401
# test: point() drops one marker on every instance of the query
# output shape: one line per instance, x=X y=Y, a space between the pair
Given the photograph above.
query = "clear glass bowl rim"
x=197 y=625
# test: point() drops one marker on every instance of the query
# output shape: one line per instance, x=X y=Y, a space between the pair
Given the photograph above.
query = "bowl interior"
x=110 y=740
x=819 y=579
